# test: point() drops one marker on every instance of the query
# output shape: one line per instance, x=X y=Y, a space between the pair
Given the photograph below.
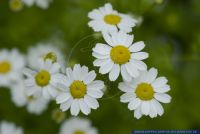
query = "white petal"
x=66 y=105
x=90 y=77
x=100 y=56
x=164 y=98
x=29 y=72
x=136 y=47
x=153 y=111
x=145 y=107
x=69 y=73
x=106 y=68
x=134 y=104
x=114 y=73
x=62 y=97
x=75 y=109
x=97 y=84
x=125 y=87
x=127 y=97
x=102 y=49
x=91 y=102
x=55 y=68
x=125 y=74
x=139 y=55
x=108 y=38
x=151 y=75
x=101 y=62
x=138 y=113
x=163 y=89
x=77 y=72
x=159 y=82
x=139 y=64
x=84 y=107
x=95 y=93
x=158 y=107
x=132 y=70
x=95 y=14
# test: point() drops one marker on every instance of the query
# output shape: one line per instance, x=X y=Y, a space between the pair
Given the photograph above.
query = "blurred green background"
x=170 y=29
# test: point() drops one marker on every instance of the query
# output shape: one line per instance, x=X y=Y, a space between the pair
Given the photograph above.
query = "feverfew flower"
x=120 y=55
x=79 y=90
x=34 y=104
x=9 y=128
x=144 y=94
x=43 y=82
x=77 y=126
x=11 y=65
x=44 y=4
x=44 y=51
x=105 y=19
x=16 y=5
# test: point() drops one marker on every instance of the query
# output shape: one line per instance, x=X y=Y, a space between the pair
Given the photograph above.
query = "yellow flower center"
x=42 y=78
x=30 y=98
x=79 y=132
x=50 y=56
x=5 y=67
x=16 y=5
x=112 y=19
x=120 y=54
x=78 y=89
x=144 y=91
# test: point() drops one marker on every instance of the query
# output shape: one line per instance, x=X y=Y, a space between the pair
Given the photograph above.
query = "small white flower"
x=10 y=128
x=77 y=126
x=80 y=90
x=34 y=104
x=120 y=55
x=44 y=4
x=43 y=82
x=44 y=52
x=105 y=19
x=144 y=94
x=11 y=65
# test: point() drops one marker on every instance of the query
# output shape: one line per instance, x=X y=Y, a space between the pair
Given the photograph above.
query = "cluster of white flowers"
x=9 y=128
x=17 y=5
x=119 y=55
x=41 y=76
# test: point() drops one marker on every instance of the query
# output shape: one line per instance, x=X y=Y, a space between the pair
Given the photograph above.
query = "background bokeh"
x=170 y=29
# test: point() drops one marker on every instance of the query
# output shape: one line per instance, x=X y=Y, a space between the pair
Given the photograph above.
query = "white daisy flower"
x=144 y=94
x=44 y=4
x=16 y=5
x=120 y=55
x=11 y=65
x=34 y=104
x=44 y=52
x=80 y=90
x=77 y=126
x=10 y=128
x=105 y=19
x=43 y=82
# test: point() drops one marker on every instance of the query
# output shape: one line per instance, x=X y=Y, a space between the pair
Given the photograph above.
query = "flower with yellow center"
x=43 y=81
x=145 y=93
x=80 y=90
x=77 y=125
x=16 y=5
x=105 y=19
x=120 y=55
x=5 y=67
x=11 y=66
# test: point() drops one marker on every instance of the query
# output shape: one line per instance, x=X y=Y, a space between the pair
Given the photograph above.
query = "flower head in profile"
x=80 y=90
x=120 y=54
x=77 y=126
x=11 y=66
x=9 y=128
x=105 y=19
x=43 y=82
x=145 y=93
